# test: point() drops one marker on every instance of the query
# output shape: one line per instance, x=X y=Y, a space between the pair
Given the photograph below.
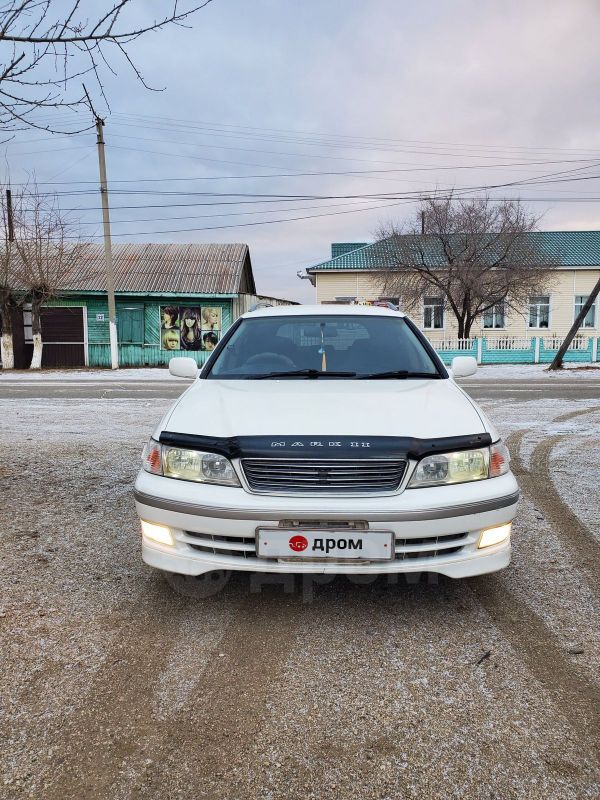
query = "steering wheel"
x=270 y=361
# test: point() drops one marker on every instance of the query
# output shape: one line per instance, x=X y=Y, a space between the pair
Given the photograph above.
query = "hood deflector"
x=324 y=446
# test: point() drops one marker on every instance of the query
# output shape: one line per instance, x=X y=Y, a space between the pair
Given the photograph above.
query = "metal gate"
x=63 y=335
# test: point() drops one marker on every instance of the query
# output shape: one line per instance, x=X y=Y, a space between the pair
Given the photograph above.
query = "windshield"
x=323 y=346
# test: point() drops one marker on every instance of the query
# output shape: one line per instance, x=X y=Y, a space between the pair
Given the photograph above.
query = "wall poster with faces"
x=190 y=327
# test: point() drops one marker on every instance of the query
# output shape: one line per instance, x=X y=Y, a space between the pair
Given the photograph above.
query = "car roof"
x=323 y=310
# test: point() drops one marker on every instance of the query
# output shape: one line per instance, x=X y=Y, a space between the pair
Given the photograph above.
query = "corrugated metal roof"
x=567 y=248
x=340 y=248
x=158 y=267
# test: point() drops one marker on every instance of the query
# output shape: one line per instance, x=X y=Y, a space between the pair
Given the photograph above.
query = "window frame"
x=432 y=307
x=538 y=327
x=592 y=310
x=494 y=313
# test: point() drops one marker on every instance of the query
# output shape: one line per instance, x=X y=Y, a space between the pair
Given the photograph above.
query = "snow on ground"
x=534 y=371
x=141 y=374
x=575 y=476
x=488 y=372
x=86 y=626
x=91 y=422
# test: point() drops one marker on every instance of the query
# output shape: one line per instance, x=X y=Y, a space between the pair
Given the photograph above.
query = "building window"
x=590 y=317
x=130 y=324
x=495 y=317
x=539 y=312
x=433 y=313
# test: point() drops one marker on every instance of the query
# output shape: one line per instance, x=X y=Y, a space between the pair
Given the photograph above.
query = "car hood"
x=423 y=409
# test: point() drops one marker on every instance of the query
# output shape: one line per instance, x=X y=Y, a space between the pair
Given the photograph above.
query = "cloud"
x=429 y=85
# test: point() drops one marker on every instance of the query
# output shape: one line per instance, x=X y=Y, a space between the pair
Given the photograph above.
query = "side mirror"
x=463 y=366
x=183 y=367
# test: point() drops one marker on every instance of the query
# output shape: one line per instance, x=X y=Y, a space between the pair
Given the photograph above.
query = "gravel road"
x=116 y=688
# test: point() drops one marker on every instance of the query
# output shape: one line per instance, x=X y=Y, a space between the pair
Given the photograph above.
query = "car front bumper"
x=435 y=529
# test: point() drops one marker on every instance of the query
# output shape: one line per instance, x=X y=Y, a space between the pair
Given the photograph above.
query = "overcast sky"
x=438 y=94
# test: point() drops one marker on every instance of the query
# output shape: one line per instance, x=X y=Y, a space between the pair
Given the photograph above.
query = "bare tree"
x=48 y=248
x=45 y=45
x=557 y=361
x=475 y=254
x=8 y=285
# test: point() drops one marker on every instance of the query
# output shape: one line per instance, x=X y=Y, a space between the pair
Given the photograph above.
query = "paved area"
x=74 y=388
x=116 y=688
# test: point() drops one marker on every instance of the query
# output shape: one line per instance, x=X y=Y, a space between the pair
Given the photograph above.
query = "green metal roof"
x=341 y=248
x=568 y=248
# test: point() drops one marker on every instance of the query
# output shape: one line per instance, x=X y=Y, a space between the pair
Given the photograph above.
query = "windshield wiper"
x=303 y=373
x=398 y=373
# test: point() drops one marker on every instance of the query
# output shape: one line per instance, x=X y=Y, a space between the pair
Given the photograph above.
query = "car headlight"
x=188 y=465
x=463 y=466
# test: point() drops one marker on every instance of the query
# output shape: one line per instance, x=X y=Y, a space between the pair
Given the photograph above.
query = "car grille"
x=244 y=547
x=429 y=546
x=331 y=476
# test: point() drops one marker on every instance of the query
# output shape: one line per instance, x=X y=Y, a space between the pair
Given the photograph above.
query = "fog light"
x=157 y=533
x=494 y=535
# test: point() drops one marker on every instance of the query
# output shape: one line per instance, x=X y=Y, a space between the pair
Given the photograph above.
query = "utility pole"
x=422 y=223
x=110 y=275
x=9 y=216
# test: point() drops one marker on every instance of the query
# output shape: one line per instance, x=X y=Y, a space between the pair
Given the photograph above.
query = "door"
x=63 y=337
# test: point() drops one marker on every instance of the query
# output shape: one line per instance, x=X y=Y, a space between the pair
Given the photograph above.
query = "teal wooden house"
x=171 y=299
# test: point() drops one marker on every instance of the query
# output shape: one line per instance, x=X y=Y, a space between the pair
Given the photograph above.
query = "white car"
x=325 y=439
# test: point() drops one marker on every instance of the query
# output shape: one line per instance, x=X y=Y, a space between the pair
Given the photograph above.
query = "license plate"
x=343 y=545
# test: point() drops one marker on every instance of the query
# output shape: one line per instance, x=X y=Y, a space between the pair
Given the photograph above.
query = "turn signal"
x=499 y=460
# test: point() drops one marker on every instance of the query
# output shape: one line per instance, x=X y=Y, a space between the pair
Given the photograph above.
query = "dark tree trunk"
x=467 y=328
x=6 y=306
x=6 y=348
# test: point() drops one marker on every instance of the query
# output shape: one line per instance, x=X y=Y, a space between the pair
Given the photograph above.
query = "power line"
x=366 y=139
x=253 y=197
x=225 y=214
x=314 y=140
x=221 y=146
x=316 y=216
x=312 y=137
x=289 y=174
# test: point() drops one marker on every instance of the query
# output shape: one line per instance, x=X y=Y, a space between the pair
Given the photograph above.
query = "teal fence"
x=517 y=349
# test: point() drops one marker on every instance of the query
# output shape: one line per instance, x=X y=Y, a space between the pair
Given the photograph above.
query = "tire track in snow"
x=204 y=748
x=572 y=414
x=513 y=442
x=577 y=698
x=118 y=711
x=537 y=483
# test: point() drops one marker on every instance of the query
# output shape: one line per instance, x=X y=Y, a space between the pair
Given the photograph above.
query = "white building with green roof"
x=353 y=274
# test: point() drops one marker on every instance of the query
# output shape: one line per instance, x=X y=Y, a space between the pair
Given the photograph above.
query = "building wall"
x=567 y=284
x=147 y=352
